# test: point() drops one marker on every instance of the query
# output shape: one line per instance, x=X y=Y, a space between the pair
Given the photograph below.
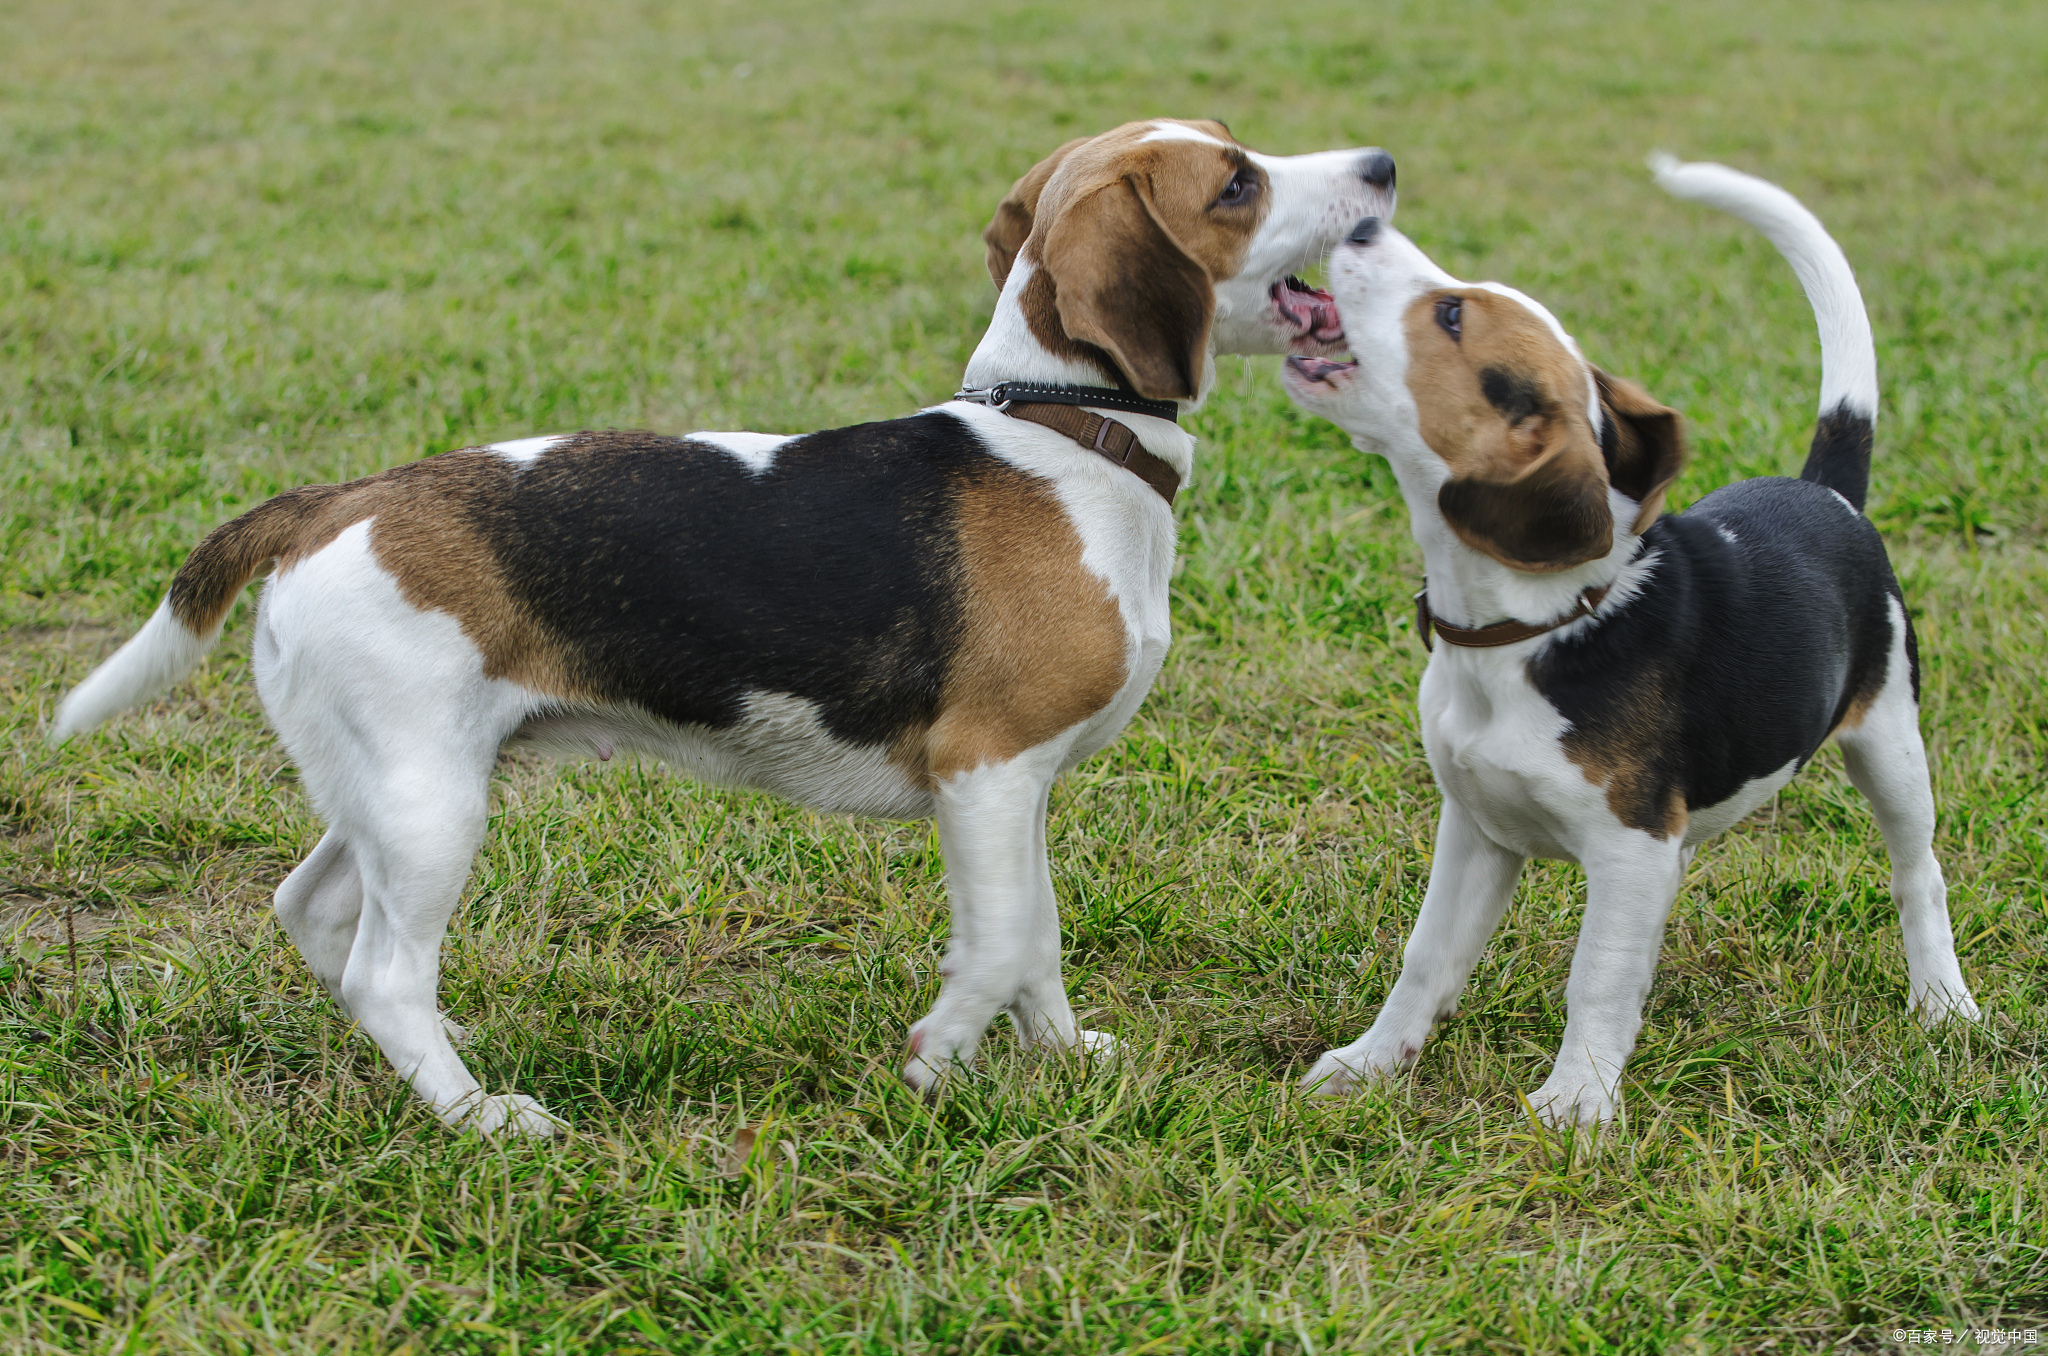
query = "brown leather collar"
x=1059 y=409
x=1500 y=633
x=1105 y=436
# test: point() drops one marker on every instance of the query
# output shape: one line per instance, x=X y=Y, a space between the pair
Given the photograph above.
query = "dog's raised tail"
x=1840 y=458
x=189 y=620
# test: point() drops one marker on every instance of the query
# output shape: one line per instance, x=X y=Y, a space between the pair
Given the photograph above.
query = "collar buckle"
x=996 y=397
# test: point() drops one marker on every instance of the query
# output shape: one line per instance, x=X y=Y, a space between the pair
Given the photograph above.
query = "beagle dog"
x=927 y=616
x=1614 y=688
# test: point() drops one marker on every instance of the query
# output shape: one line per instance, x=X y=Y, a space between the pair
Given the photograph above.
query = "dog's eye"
x=1241 y=189
x=1450 y=313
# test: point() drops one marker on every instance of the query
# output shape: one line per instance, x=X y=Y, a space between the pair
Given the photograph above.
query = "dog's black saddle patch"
x=1765 y=618
x=679 y=579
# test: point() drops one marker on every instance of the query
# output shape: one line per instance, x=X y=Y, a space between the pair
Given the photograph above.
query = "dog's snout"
x=1365 y=232
x=1376 y=167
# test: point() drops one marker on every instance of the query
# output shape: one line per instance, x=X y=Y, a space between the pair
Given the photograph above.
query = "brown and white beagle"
x=1610 y=687
x=928 y=616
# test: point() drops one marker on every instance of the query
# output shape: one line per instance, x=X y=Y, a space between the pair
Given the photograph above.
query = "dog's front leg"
x=1040 y=1010
x=1005 y=949
x=1471 y=880
x=1630 y=884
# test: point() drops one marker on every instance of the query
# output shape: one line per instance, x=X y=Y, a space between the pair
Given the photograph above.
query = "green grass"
x=245 y=247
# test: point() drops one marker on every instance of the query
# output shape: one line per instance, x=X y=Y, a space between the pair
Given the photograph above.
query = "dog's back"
x=1767 y=628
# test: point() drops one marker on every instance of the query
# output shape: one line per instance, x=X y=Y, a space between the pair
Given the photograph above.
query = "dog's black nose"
x=1377 y=169
x=1365 y=232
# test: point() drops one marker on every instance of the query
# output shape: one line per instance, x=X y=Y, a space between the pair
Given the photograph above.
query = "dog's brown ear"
x=1550 y=515
x=1643 y=443
x=1123 y=283
x=1010 y=227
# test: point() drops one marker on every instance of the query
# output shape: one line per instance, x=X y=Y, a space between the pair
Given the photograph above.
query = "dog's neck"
x=1010 y=352
x=1469 y=588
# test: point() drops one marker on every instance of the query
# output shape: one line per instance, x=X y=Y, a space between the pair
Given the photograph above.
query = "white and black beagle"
x=1614 y=688
x=926 y=616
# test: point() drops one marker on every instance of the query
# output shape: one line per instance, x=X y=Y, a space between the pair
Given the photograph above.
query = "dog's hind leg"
x=1005 y=948
x=317 y=906
x=395 y=728
x=1887 y=761
x=1471 y=881
x=415 y=847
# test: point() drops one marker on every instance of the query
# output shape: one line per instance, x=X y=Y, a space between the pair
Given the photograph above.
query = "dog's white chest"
x=1138 y=569
x=1494 y=745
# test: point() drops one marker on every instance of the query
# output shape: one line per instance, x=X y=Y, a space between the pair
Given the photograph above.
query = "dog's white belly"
x=1495 y=747
x=1710 y=820
x=779 y=745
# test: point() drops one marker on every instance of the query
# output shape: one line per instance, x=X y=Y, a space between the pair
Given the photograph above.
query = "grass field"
x=244 y=247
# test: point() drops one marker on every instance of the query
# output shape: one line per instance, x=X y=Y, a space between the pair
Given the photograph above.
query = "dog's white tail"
x=1840 y=458
x=161 y=653
x=189 y=620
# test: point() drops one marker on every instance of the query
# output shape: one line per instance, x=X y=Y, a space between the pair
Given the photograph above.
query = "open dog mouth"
x=1318 y=370
x=1311 y=311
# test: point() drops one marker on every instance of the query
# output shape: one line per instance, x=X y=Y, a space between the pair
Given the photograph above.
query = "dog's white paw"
x=1367 y=1060
x=931 y=1059
x=922 y=1077
x=1093 y=1043
x=1340 y=1073
x=1933 y=1006
x=509 y=1113
x=1332 y=1077
x=1573 y=1101
x=457 y=1033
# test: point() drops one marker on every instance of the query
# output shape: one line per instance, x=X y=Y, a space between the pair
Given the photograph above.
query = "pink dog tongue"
x=1326 y=326
x=1309 y=309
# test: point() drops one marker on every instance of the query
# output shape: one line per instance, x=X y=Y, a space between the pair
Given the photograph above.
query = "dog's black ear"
x=1549 y=514
x=1010 y=227
x=1643 y=443
x=1124 y=284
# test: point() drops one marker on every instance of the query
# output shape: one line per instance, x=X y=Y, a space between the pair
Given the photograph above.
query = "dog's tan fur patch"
x=1859 y=707
x=1044 y=642
x=1625 y=756
x=423 y=534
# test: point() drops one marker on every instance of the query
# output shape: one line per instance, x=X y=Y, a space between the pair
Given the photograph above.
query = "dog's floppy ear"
x=1549 y=515
x=1643 y=443
x=1008 y=229
x=1124 y=284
